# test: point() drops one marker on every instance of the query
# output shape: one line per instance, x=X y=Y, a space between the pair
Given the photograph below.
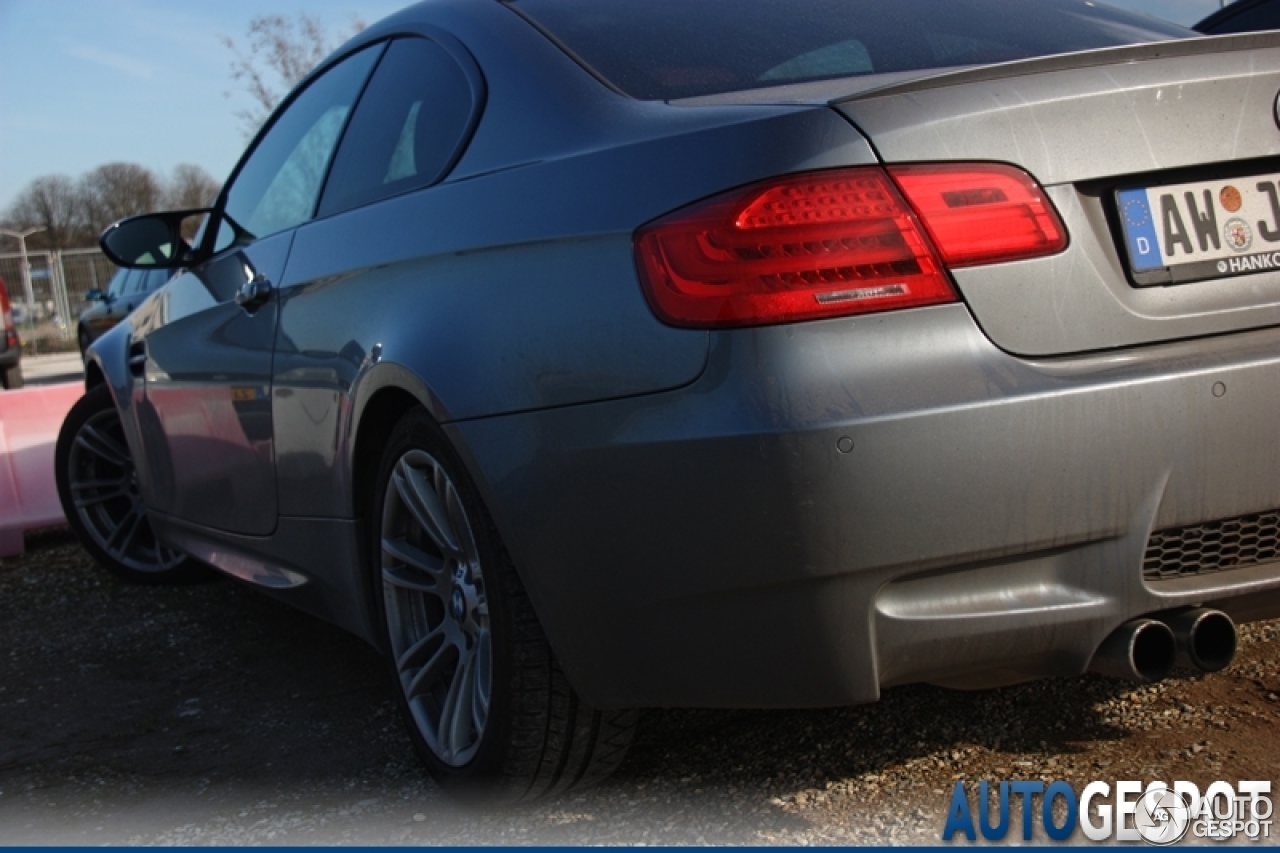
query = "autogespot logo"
x=1158 y=814
x=1162 y=817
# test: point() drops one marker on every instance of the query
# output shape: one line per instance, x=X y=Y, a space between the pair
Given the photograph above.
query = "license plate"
x=1200 y=230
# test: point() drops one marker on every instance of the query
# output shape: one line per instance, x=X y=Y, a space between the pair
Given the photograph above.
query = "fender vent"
x=1215 y=546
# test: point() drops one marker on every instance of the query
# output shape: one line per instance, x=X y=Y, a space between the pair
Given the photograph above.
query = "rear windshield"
x=665 y=49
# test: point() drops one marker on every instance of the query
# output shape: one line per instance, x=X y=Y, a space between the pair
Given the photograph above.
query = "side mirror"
x=94 y=295
x=150 y=241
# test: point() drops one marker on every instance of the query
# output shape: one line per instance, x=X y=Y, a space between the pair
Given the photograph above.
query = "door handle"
x=254 y=293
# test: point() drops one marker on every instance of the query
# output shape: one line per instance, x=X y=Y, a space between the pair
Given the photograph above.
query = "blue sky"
x=87 y=82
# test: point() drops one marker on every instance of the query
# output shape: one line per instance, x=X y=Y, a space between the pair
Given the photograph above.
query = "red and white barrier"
x=29 y=422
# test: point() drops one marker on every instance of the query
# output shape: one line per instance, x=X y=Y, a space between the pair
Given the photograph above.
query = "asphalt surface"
x=209 y=714
x=52 y=369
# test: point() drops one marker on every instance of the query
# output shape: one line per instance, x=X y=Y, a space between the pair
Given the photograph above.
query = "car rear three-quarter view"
x=586 y=363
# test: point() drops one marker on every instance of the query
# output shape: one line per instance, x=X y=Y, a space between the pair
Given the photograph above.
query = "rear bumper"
x=838 y=506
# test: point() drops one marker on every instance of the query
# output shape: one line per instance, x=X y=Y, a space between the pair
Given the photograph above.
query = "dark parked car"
x=1242 y=16
x=125 y=291
x=584 y=362
x=10 y=346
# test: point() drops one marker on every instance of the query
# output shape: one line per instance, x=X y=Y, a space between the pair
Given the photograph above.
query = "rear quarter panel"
x=512 y=286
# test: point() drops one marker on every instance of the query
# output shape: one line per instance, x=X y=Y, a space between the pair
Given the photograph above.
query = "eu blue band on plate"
x=1140 y=230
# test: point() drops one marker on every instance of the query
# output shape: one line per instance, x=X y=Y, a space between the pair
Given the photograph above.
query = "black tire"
x=454 y=615
x=11 y=378
x=98 y=489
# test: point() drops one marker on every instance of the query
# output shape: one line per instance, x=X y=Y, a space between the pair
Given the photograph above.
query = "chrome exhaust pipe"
x=1139 y=650
x=1206 y=638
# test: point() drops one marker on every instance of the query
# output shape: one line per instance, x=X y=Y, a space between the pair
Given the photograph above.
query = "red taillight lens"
x=6 y=318
x=829 y=244
x=824 y=244
x=982 y=213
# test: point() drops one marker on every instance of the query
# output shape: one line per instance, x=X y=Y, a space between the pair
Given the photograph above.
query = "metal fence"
x=46 y=317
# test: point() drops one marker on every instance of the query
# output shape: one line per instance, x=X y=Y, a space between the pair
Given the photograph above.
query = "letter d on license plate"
x=1207 y=229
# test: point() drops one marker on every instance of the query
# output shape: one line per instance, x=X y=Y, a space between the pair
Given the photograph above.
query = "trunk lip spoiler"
x=847 y=90
x=1120 y=55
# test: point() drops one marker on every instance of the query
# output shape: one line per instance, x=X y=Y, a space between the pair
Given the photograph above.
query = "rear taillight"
x=801 y=247
x=982 y=213
x=827 y=244
x=6 y=314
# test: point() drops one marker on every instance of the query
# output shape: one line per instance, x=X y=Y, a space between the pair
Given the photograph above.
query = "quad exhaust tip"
x=1147 y=649
x=1139 y=650
x=1206 y=639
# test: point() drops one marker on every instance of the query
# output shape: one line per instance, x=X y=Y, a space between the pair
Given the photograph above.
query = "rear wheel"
x=488 y=707
x=98 y=488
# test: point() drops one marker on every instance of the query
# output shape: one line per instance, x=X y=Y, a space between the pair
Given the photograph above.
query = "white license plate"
x=1205 y=229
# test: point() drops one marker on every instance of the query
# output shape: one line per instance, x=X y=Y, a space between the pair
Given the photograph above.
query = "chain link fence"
x=46 y=317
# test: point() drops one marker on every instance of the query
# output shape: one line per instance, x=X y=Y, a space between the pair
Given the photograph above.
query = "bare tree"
x=189 y=188
x=53 y=203
x=281 y=51
x=74 y=212
x=116 y=190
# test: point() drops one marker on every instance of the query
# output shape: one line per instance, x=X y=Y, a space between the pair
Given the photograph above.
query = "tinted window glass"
x=661 y=49
x=407 y=128
x=1264 y=16
x=153 y=280
x=118 y=281
x=280 y=182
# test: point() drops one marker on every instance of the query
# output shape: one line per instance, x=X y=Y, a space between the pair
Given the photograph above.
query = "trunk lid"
x=1195 y=114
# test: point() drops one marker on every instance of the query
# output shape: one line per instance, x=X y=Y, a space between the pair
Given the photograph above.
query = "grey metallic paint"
x=739 y=540
x=534 y=296
x=1082 y=123
x=680 y=503
x=205 y=409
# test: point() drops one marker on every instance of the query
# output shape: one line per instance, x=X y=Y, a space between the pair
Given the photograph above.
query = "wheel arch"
x=107 y=361
x=380 y=397
x=379 y=404
x=93 y=375
x=374 y=423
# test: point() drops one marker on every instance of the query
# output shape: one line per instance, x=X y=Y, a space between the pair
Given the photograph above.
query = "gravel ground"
x=209 y=714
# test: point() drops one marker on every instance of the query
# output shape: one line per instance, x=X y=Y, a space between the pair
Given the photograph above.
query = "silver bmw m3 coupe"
x=593 y=355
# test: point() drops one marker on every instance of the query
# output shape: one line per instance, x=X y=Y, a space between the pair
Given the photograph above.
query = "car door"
x=410 y=128
x=203 y=346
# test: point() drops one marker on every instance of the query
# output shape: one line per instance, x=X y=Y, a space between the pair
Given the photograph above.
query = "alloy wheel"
x=104 y=491
x=437 y=610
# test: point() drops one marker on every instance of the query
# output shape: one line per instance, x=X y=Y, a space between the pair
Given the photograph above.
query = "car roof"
x=1210 y=22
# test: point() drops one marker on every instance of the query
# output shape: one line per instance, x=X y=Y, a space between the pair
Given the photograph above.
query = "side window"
x=408 y=129
x=118 y=282
x=1265 y=16
x=279 y=183
x=153 y=281
x=835 y=60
